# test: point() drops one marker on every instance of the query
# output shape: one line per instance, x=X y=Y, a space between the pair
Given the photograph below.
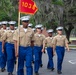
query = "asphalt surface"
x=69 y=65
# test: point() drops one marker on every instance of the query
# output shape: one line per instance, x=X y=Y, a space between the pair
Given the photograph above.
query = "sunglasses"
x=4 y=24
x=38 y=28
x=26 y=21
x=60 y=30
x=11 y=24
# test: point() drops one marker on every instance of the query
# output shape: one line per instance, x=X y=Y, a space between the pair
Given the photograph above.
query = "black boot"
x=41 y=65
x=3 y=69
x=52 y=69
x=59 y=72
x=10 y=73
x=36 y=73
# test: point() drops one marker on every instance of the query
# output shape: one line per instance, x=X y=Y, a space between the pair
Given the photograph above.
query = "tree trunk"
x=68 y=31
x=68 y=34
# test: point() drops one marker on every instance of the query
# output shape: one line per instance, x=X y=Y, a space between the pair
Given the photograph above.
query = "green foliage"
x=3 y=16
x=32 y=21
x=49 y=12
x=72 y=11
x=58 y=2
x=7 y=10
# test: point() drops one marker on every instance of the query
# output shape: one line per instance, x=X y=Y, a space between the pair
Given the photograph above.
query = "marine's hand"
x=16 y=54
x=43 y=50
x=2 y=50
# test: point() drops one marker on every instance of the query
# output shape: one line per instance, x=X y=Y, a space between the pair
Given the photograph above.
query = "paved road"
x=69 y=65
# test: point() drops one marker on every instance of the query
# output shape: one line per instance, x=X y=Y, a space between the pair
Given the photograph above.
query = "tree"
x=10 y=8
x=69 y=16
x=51 y=13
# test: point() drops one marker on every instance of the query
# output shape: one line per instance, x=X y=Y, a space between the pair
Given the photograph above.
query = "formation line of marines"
x=32 y=44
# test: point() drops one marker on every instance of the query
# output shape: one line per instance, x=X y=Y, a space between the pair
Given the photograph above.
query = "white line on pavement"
x=72 y=61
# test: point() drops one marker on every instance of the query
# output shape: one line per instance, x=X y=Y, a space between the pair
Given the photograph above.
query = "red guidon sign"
x=27 y=6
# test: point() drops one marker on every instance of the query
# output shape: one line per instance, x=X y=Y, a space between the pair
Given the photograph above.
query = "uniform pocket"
x=9 y=35
x=21 y=34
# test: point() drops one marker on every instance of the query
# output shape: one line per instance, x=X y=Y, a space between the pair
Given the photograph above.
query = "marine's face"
x=4 y=26
x=59 y=32
x=12 y=27
x=25 y=23
x=39 y=30
x=50 y=34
